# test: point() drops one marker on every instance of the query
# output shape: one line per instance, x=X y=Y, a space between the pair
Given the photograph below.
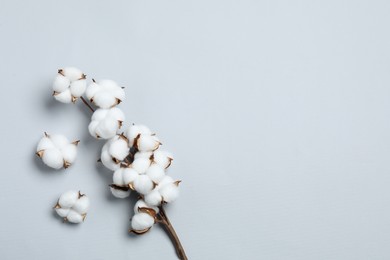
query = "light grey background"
x=277 y=113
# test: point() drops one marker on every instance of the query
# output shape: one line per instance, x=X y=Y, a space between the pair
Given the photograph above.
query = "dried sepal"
x=139 y=232
x=40 y=153
x=117 y=187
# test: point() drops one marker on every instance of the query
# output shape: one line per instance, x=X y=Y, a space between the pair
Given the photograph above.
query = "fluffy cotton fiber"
x=72 y=206
x=105 y=93
x=56 y=151
x=69 y=85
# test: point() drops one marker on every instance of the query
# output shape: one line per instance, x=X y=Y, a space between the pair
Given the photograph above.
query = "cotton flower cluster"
x=56 y=151
x=69 y=85
x=140 y=165
x=72 y=206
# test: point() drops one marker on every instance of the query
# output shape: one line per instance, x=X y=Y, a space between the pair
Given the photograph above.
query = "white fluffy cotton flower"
x=165 y=192
x=56 y=151
x=119 y=192
x=123 y=179
x=105 y=123
x=114 y=152
x=162 y=158
x=72 y=206
x=144 y=218
x=142 y=138
x=105 y=93
x=69 y=85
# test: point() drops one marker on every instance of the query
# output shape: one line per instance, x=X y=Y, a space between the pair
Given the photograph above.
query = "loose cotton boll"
x=162 y=158
x=72 y=206
x=56 y=151
x=69 y=85
x=105 y=93
x=106 y=122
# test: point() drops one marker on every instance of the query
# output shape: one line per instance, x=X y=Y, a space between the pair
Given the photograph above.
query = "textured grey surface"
x=277 y=113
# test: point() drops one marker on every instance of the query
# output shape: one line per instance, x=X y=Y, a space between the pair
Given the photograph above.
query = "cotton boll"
x=61 y=83
x=72 y=73
x=155 y=173
x=77 y=88
x=143 y=184
x=72 y=206
x=82 y=205
x=105 y=93
x=68 y=199
x=166 y=180
x=107 y=160
x=45 y=143
x=146 y=155
x=142 y=204
x=117 y=177
x=62 y=212
x=104 y=101
x=162 y=158
x=169 y=192
x=147 y=143
x=119 y=149
x=69 y=84
x=106 y=122
x=64 y=97
x=154 y=198
x=74 y=217
x=92 y=89
x=134 y=130
x=53 y=158
x=124 y=176
x=142 y=221
x=69 y=153
x=59 y=140
x=129 y=175
x=120 y=194
x=141 y=165
x=106 y=128
x=56 y=151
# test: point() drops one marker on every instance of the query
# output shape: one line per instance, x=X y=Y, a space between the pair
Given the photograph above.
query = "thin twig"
x=172 y=233
x=87 y=104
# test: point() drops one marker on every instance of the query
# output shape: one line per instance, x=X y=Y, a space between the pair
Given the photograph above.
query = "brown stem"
x=172 y=233
x=87 y=104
